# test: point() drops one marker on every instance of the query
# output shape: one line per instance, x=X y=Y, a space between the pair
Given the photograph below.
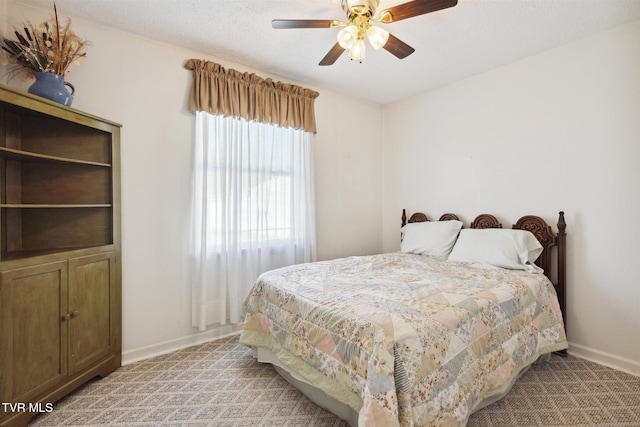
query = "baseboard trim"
x=136 y=355
x=131 y=356
x=607 y=359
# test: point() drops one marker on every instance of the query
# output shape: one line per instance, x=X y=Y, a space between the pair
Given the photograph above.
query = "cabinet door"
x=33 y=302
x=92 y=298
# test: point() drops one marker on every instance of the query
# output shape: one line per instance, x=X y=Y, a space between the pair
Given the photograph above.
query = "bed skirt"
x=341 y=409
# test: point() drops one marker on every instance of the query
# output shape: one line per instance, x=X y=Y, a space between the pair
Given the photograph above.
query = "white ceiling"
x=451 y=44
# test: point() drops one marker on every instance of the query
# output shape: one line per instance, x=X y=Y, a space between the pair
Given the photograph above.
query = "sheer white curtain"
x=253 y=210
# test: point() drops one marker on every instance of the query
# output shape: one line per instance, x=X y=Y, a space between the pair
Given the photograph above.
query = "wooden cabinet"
x=60 y=274
x=33 y=352
x=91 y=294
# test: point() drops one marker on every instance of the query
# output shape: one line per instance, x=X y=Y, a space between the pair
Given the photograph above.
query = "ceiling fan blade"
x=397 y=47
x=280 y=24
x=414 y=8
x=333 y=55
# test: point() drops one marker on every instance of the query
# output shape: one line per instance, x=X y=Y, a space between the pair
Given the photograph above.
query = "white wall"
x=143 y=85
x=348 y=178
x=558 y=131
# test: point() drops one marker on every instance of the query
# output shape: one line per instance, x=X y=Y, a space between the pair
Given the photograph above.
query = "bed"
x=421 y=337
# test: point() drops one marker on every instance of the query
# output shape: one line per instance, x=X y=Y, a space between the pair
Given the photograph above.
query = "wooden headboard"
x=543 y=232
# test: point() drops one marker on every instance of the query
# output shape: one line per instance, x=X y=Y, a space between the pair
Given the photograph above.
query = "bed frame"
x=545 y=235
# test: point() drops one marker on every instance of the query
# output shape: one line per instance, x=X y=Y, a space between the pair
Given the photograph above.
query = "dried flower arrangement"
x=47 y=47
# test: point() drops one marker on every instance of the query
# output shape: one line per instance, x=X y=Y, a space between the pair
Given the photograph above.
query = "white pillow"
x=430 y=238
x=506 y=248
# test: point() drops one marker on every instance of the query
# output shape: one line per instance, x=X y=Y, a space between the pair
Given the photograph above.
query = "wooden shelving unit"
x=60 y=273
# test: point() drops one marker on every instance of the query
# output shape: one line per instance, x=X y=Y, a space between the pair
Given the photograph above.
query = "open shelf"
x=57 y=179
x=54 y=228
x=49 y=206
x=26 y=156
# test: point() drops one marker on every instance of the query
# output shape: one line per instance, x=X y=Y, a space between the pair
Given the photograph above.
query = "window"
x=253 y=177
x=253 y=209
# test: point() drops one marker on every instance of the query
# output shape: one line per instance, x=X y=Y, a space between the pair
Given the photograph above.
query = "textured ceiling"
x=451 y=44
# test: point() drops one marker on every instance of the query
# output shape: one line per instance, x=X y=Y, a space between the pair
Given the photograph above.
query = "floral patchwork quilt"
x=419 y=341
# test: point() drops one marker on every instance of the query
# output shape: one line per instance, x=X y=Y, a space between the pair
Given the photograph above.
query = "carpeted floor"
x=220 y=384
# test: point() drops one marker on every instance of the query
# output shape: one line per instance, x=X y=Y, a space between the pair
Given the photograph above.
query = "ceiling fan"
x=361 y=15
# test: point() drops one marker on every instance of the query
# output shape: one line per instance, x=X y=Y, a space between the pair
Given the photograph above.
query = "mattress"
x=404 y=339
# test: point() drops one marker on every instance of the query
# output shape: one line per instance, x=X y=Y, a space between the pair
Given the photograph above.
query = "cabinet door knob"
x=75 y=313
x=66 y=317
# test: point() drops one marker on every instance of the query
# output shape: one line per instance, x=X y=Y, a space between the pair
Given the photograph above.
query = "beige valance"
x=217 y=90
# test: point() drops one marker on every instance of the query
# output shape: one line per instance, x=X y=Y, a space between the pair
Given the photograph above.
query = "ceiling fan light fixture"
x=377 y=37
x=347 y=36
x=357 y=51
x=360 y=7
x=362 y=15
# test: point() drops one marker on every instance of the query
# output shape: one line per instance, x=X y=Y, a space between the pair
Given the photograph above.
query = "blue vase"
x=53 y=87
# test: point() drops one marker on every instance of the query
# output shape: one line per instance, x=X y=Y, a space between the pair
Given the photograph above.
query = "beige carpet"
x=220 y=384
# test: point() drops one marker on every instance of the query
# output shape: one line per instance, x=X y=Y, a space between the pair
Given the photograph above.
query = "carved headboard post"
x=404 y=217
x=562 y=261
